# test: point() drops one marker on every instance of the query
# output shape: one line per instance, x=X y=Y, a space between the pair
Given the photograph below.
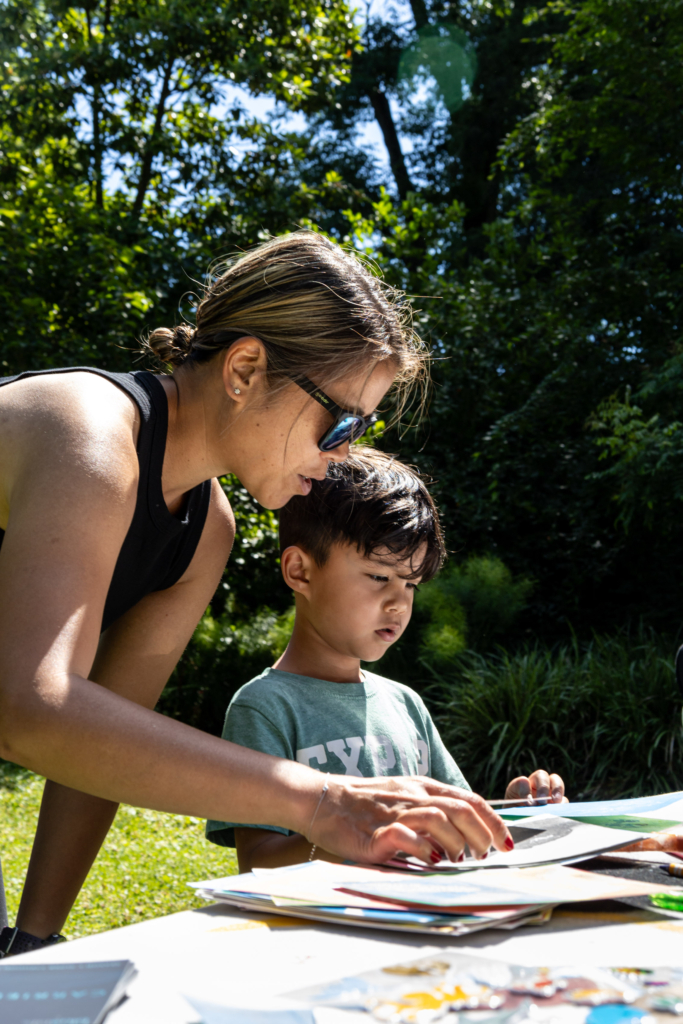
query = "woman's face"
x=278 y=455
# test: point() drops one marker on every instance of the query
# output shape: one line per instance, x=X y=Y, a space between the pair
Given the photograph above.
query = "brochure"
x=31 y=993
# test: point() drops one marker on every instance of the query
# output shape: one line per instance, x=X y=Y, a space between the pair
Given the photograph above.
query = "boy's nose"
x=397 y=601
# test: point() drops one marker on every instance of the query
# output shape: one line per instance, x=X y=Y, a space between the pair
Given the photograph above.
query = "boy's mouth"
x=388 y=634
x=305 y=483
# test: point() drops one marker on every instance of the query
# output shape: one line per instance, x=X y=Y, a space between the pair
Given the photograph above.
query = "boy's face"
x=357 y=606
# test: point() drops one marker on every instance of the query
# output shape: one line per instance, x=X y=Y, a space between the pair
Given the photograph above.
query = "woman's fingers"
x=358 y=815
x=451 y=825
x=387 y=841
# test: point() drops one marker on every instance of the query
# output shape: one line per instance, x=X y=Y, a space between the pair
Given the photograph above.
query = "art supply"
x=668 y=900
x=425 y=990
x=520 y=802
x=62 y=992
x=672 y=869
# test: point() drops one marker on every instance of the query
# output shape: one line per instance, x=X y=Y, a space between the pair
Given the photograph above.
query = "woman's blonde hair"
x=317 y=309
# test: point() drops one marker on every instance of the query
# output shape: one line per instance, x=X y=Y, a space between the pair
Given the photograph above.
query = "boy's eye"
x=378 y=579
x=413 y=586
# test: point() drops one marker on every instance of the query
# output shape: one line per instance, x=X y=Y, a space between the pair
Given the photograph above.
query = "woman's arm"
x=135 y=657
x=69 y=478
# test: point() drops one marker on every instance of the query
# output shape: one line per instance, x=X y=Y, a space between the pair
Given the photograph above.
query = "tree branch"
x=148 y=158
x=96 y=134
x=419 y=8
x=380 y=105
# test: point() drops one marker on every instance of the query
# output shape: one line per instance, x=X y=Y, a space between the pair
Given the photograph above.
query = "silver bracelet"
x=313 y=849
x=315 y=812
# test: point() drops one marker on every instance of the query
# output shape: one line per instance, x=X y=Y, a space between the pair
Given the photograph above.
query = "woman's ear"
x=295 y=564
x=244 y=364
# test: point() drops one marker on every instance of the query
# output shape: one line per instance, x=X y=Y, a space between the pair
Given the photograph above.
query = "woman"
x=116 y=533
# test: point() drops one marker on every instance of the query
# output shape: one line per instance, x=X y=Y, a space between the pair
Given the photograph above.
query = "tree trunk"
x=380 y=105
x=419 y=8
x=96 y=135
x=148 y=158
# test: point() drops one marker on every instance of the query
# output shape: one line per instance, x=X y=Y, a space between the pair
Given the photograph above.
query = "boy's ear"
x=295 y=564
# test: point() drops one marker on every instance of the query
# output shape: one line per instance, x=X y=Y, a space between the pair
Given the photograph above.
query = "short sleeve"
x=249 y=727
x=443 y=768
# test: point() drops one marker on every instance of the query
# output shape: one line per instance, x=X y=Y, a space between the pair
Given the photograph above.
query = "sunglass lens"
x=347 y=429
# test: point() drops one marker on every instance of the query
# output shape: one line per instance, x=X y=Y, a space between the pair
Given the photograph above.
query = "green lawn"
x=141 y=871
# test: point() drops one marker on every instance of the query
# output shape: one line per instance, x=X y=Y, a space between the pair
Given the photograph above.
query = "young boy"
x=353 y=551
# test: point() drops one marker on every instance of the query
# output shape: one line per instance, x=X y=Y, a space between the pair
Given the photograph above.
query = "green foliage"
x=646 y=458
x=565 y=291
x=605 y=715
x=142 y=871
x=132 y=96
x=472 y=604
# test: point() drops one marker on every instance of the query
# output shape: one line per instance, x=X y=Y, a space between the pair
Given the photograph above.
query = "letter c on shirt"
x=305 y=755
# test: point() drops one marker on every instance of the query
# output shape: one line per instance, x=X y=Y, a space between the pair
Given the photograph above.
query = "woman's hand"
x=371 y=820
x=539 y=786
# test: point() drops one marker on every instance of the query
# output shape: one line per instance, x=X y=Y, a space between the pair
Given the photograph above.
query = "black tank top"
x=158 y=546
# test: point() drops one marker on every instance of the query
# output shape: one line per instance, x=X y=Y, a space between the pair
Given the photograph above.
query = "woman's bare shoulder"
x=72 y=424
x=71 y=398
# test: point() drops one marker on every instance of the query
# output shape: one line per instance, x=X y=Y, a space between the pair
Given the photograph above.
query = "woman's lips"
x=305 y=483
x=388 y=634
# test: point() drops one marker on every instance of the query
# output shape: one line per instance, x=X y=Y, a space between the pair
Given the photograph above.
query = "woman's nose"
x=339 y=454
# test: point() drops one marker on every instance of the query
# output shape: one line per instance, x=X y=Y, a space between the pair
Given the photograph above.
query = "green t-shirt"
x=377 y=727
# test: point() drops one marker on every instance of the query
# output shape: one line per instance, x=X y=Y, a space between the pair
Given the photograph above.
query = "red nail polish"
x=484 y=855
x=434 y=857
x=461 y=857
x=509 y=843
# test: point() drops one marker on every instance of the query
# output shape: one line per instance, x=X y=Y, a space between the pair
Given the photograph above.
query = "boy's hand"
x=539 y=786
x=371 y=820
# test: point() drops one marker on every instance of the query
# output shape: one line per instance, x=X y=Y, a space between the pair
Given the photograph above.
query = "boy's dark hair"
x=373 y=501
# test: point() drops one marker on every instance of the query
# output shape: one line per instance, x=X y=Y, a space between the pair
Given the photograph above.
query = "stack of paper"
x=316 y=891
x=430 y=903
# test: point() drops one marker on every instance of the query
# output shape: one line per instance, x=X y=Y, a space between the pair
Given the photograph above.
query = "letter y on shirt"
x=350 y=761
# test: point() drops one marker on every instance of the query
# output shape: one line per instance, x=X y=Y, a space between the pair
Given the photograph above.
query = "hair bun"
x=171 y=346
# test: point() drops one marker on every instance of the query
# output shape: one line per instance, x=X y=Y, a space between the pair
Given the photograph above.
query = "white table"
x=226 y=956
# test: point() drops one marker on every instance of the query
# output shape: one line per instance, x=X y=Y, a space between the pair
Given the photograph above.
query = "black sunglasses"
x=347 y=426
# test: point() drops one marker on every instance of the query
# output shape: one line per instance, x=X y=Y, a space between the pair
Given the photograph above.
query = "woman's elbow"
x=19 y=716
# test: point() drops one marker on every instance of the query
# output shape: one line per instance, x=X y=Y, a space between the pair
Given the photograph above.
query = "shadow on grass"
x=13 y=776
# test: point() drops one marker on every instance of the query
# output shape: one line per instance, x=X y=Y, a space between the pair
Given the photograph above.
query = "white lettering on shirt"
x=423 y=751
x=374 y=745
x=350 y=761
x=305 y=755
x=404 y=760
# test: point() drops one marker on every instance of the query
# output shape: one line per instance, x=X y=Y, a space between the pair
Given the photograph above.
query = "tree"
x=131 y=95
x=571 y=294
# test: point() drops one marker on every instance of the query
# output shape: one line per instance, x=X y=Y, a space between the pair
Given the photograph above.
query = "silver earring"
x=237 y=391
